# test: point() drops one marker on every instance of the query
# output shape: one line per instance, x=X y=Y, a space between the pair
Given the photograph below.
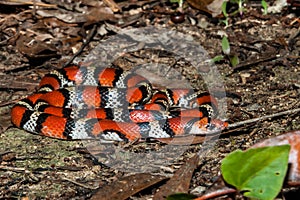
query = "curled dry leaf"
x=65 y=16
x=35 y=49
x=127 y=186
x=180 y=182
x=94 y=14
x=112 y=5
x=99 y=14
x=293 y=139
x=213 y=7
x=25 y=2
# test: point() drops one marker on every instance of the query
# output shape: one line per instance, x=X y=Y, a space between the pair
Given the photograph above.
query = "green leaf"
x=225 y=45
x=265 y=6
x=259 y=172
x=234 y=60
x=241 y=8
x=180 y=2
x=224 y=6
x=181 y=196
x=225 y=21
x=217 y=58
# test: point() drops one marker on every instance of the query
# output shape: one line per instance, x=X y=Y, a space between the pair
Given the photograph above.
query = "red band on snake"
x=79 y=102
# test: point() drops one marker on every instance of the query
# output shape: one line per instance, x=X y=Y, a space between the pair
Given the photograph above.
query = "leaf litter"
x=37 y=37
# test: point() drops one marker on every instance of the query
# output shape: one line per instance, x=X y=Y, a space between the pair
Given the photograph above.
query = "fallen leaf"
x=99 y=14
x=65 y=16
x=293 y=139
x=25 y=2
x=180 y=182
x=90 y=15
x=127 y=186
x=293 y=174
x=186 y=139
x=8 y=156
x=213 y=7
x=35 y=49
x=112 y=5
x=258 y=172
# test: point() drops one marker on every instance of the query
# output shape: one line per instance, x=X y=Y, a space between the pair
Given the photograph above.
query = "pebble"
x=178 y=17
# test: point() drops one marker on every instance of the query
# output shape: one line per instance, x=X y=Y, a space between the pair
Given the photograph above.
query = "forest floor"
x=37 y=38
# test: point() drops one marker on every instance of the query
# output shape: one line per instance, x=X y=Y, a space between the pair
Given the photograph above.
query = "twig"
x=113 y=6
x=292 y=38
x=16 y=84
x=14 y=169
x=249 y=121
x=34 y=9
x=80 y=184
x=30 y=3
x=259 y=60
x=88 y=39
x=3 y=104
x=217 y=193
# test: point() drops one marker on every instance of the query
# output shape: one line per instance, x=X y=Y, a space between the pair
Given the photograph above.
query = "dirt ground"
x=35 y=39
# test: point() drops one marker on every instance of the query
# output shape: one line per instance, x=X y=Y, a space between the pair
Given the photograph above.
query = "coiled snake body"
x=79 y=102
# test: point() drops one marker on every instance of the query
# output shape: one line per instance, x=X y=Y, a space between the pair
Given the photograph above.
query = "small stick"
x=113 y=6
x=14 y=169
x=79 y=184
x=88 y=39
x=35 y=3
x=217 y=193
x=265 y=58
x=249 y=121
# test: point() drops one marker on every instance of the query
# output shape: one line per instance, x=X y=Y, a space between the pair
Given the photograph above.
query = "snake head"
x=207 y=126
x=217 y=124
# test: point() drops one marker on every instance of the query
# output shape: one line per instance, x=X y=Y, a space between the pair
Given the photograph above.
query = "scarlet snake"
x=79 y=102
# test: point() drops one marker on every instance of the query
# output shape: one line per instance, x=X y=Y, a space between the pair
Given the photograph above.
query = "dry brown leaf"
x=112 y=5
x=180 y=182
x=293 y=139
x=213 y=7
x=127 y=186
x=34 y=48
x=90 y=15
x=53 y=22
x=25 y=2
x=99 y=14
x=63 y=15
x=185 y=140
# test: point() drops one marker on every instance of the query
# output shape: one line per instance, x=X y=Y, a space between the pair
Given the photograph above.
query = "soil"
x=33 y=42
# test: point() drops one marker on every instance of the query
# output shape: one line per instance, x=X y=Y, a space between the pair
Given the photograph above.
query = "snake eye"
x=211 y=126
